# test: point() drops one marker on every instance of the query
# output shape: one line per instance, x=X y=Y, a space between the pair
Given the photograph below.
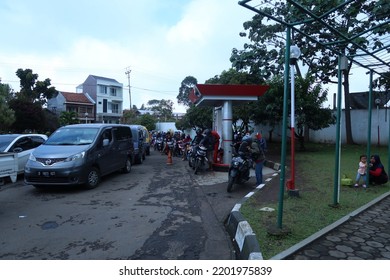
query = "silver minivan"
x=80 y=155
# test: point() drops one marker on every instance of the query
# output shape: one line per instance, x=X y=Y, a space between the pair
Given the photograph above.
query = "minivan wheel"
x=93 y=178
x=127 y=167
x=139 y=159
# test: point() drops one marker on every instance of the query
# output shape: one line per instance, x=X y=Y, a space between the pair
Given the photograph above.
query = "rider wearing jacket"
x=208 y=142
x=198 y=137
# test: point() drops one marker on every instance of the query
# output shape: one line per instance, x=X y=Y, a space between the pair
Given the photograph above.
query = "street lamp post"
x=295 y=53
x=86 y=117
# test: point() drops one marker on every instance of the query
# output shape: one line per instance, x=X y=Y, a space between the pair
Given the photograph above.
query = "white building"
x=108 y=96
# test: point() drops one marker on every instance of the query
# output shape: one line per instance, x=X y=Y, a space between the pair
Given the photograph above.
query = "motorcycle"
x=185 y=150
x=200 y=160
x=239 y=170
x=158 y=145
x=169 y=147
x=177 y=151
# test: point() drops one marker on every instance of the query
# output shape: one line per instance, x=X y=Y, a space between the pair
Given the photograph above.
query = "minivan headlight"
x=75 y=157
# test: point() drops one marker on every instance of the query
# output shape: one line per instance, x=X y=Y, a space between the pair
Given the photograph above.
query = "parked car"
x=81 y=154
x=139 y=143
x=147 y=139
x=22 y=144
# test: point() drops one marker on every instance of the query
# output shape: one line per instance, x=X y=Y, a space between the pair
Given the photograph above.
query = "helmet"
x=198 y=131
x=247 y=138
x=207 y=132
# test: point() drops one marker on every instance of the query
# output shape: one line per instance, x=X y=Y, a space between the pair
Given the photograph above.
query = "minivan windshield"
x=73 y=136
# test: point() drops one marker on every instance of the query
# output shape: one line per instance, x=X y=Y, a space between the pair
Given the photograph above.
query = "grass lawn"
x=312 y=211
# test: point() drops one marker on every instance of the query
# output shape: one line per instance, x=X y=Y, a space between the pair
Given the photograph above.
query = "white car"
x=22 y=144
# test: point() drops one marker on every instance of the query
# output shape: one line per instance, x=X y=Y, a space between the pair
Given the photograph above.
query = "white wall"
x=359 y=123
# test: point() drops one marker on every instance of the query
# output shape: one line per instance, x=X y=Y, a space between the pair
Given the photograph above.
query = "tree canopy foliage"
x=7 y=115
x=28 y=102
x=31 y=89
x=186 y=86
x=68 y=118
x=161 y=108
x=265 y=54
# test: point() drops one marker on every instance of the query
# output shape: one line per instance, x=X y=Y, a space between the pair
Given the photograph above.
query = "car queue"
x=79 y=154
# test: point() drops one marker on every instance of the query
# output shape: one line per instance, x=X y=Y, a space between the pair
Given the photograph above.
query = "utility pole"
x=128 y=71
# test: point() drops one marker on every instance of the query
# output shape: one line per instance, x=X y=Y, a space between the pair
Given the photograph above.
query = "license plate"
x=47 y=173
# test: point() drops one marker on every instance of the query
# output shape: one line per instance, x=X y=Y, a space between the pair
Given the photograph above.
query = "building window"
x=113 y=91
x=102 y=89
x=72 y=109
x=115 y=108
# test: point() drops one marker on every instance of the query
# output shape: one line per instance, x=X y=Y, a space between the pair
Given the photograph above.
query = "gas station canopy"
x=215 y=95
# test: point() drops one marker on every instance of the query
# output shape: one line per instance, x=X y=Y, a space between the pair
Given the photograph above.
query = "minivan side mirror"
x=106 y=142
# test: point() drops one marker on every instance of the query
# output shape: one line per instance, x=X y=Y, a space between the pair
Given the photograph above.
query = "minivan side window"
x=122 y=133
x=107 y=134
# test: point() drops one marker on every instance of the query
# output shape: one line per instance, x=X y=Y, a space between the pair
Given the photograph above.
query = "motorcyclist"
x=247 y=149
x=208 y=141
x=168 y=139
x=186 y=141
x=198 y=137
x=243 y=150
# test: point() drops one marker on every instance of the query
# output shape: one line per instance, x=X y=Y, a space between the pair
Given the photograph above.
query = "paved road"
x=157 y=211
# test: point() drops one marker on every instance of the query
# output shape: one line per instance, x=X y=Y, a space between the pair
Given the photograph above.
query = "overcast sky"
x=160 y=41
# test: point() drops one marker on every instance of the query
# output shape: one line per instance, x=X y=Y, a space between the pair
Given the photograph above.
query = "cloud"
x=161 y=41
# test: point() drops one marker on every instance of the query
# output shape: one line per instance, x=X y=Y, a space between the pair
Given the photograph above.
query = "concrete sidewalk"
x=216 y=177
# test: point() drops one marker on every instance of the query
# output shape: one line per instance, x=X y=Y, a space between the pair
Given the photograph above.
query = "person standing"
x=378 y=175
x=261 y=141
x=258 y=157
x=362 y=171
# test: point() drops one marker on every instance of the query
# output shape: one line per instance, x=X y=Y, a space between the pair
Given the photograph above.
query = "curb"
x=239 y=230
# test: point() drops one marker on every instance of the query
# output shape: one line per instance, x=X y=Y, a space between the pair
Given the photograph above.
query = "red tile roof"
x=72 y=97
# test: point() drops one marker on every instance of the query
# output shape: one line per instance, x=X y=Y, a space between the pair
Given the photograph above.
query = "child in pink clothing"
x=362 y=171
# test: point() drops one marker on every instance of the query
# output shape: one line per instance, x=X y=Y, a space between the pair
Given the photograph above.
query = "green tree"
x=196 y=117
x=309 y=113
x=245 y=110
x=308 y=107
x=31 y=89
x=68 y=118
x=265 y=55
x=129 y=116
x=161 y=108
x=269 y=109
x=29 y=116
x=52 y=121
x=7 y=115
x=185 y=88
x=147 y=121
